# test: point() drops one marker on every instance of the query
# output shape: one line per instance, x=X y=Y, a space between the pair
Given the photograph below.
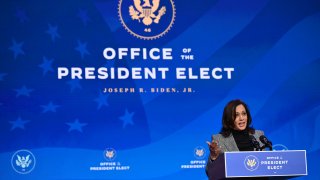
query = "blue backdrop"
x=69 y=128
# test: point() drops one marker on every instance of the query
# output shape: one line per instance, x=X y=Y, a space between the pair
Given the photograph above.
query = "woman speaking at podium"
x=236 y=133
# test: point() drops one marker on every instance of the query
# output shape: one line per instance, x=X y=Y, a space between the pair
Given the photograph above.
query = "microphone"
x=254 y=142
x=265 y=141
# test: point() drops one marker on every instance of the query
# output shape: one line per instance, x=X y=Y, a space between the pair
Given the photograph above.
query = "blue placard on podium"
x=265 y=163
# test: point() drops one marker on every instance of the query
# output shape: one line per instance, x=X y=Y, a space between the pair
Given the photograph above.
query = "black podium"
x=216 y=170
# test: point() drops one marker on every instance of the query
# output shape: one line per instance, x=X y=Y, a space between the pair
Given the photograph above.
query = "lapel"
x=230 y=143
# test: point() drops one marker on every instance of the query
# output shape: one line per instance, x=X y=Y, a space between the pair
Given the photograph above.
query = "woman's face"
x=241 y=118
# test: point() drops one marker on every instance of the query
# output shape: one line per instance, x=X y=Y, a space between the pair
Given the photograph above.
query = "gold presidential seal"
x=146 y=20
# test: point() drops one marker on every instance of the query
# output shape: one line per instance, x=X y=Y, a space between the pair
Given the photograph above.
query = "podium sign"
x=265 y=163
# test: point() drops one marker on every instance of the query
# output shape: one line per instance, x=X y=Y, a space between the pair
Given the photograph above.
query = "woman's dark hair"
x=229 y=115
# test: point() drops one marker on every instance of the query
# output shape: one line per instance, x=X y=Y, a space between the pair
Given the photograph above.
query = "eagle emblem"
x=251 y=163
x=147 y=19
x=147 y=12
x=199 y=152
x=110 y=154
x=23 y=162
